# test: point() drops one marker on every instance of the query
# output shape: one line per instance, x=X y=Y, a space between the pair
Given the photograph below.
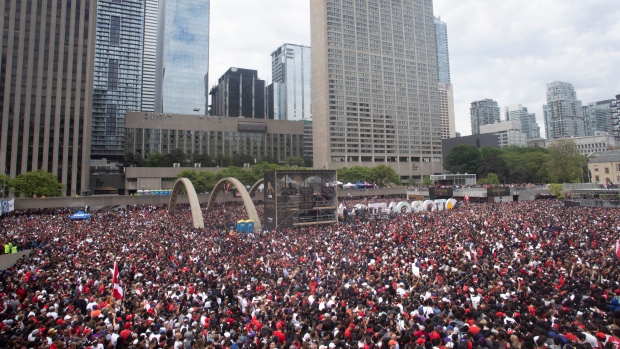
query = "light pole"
x=4 y=187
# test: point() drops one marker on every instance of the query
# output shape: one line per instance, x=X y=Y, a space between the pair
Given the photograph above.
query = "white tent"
x=349 y=185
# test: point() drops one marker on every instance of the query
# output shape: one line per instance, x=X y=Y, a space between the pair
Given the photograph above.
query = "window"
x=596 y=169
x=115 y=30
x=596 y=178
x=606 y=170
x=113 y=74
x=110 y=120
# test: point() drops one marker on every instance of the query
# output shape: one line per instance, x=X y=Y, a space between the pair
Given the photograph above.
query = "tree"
x=383 y=174
x=133 y=160
x=240 y=160
x=493 y=164
x=564 y=161
x=155 y=160
x=295 y=161
x=259 y=170
x=557 y=190
x=353 y=174
x=5 y=182
x=203 y=181
x=245 y=177
x=463 y=159
x=222 y=160
x=308 y=162
x=36 y=183
x=426 y=181
x=203 y=159
x=268 y=159
x=491 y=178
x=177 y=156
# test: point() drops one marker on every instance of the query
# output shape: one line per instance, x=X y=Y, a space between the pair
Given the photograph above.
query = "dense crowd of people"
x=514 y=275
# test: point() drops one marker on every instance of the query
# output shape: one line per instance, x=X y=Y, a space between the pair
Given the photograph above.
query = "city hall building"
x=148 y=132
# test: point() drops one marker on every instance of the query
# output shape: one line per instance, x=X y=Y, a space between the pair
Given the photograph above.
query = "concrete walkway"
x=9 y=260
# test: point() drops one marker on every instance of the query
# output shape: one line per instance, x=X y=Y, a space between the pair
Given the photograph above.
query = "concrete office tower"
x=483 y=112
x=240 y=93
x=446 y=110
x=374 y=85
x=118 y=74
x=149 y=59
x=290 y=66
x=597 y=117
x=529 y=126
x=564 y=111
x=46 y=88
x=443 y=56
x=182 y=65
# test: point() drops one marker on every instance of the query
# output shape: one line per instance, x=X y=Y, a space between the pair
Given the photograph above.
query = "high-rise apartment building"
x=149 y=59
x=564 y=112
x=182 y=65
x=118 y=74
x=597 y=117
x=446 y=110
x=446 y=95
x=290 y=67
x=614 y=106
x=483 y=112
x=46 y=88
x=529 y=126
x=374 y=85
x=443 y=56
x=239 y=92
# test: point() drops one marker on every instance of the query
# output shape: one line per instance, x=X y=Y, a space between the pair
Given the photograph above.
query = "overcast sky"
x=506 y=50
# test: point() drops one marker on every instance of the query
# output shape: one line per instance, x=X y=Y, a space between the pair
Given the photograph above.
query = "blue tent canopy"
x=79 y=215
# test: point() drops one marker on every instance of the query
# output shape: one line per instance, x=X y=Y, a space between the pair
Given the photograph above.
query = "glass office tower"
x=290 y=65
x=182 y=57
x=118 y=74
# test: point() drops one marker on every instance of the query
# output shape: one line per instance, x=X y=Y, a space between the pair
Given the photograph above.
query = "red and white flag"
x=466 y=198
x=116 y=281
x=618 y=248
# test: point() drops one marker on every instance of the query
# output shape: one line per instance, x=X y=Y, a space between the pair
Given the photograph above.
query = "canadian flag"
x=466 y=198
x=116 y=281
x=618 y=248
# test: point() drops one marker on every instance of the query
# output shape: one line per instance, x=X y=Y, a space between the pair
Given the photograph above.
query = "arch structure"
x=255 y=187
x=245 y=196
x=194 y=204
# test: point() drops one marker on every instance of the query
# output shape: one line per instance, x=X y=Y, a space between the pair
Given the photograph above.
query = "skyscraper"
x=597 y=117
x=290 y=66
x=374 y=85
x=118 y=74
x=446 y=94
x=483 y=112
x=614 y=106
x=182 y=57
x=443 y=56
x=446 y=110
x=564 y=111
x=240 y=93
x=149 y=60
x=529 y=126
x=46 y=87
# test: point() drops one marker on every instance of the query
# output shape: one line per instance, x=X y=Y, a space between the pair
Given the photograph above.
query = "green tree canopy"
x=463 y=159
x=295 y=161
x=177 y=156
x=155 y=159
x=133 y=160
x=245 y=177
x=203 y=181
x=222 y=160
x=39 y=183
x=203 y=159
x=564 y=162
x=239 y=160
x=354 y=174
x=383 y=175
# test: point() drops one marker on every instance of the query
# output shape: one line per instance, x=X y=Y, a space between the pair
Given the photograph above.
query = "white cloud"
x=505 y=50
